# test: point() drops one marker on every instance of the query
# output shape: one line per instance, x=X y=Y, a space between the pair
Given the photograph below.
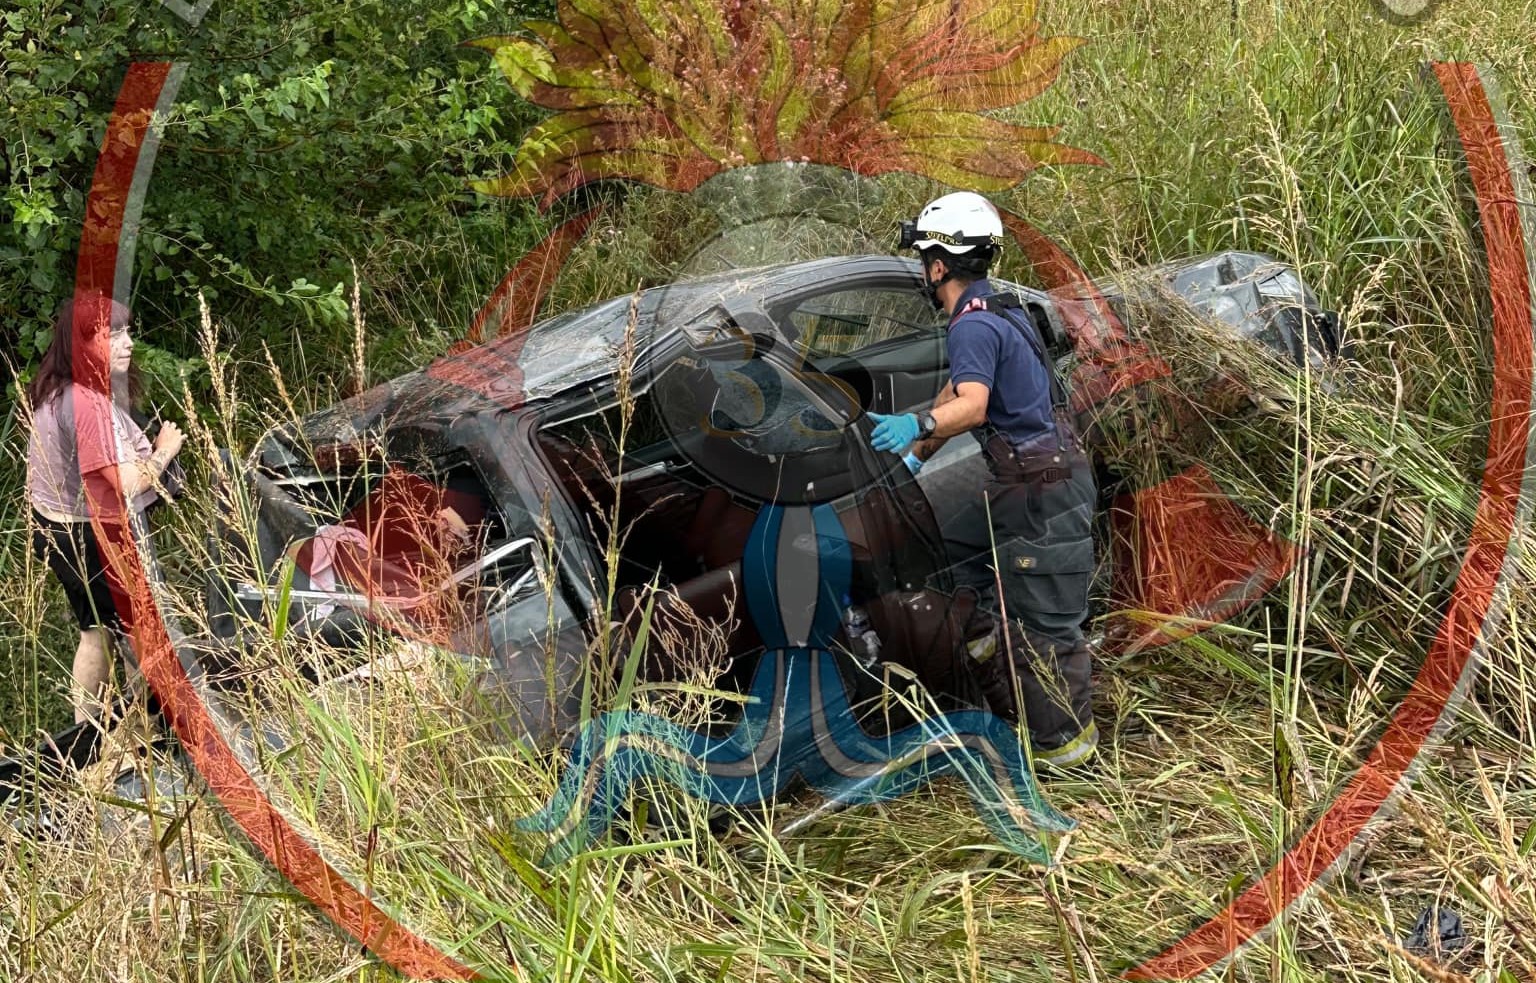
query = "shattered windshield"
x=575 y=346
x=582 y=345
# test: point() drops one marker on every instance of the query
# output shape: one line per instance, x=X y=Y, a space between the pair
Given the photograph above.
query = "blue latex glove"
x=893 y=433
x=912 y=461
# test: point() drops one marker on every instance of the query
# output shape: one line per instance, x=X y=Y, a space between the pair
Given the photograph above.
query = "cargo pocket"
x=1048 y=579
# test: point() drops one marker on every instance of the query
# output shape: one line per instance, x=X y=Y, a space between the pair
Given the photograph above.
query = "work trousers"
x=1032 y=535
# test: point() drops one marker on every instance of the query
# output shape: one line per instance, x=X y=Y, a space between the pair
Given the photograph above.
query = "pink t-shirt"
x=84 y=422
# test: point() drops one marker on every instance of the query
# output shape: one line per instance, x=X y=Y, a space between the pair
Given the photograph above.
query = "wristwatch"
x=926 y=425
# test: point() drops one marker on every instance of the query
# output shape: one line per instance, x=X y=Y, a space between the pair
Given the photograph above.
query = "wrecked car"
x=610 y=473
x=616 y=465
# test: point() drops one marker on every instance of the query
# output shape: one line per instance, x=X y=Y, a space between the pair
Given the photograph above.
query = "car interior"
x=682 y=494
x=408 y=534
x=672 y=527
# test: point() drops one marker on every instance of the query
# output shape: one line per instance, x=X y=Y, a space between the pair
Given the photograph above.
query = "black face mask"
x=931 y=287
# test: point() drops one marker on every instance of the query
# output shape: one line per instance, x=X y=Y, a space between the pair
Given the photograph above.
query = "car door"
x=878 y=332
x=881 y=335
x=530 y=631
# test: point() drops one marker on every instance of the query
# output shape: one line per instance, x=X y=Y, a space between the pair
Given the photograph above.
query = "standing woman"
x=86 y=447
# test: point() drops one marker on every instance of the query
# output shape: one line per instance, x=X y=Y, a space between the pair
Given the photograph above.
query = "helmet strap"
x=931 y=287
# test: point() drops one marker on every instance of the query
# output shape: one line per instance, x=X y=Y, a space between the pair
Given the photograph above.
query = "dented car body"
x=616 y=465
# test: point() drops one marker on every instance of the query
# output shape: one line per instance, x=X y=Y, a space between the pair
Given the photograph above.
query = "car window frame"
x=779 y=313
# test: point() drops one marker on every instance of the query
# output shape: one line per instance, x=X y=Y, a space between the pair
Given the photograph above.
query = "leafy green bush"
x=304 y=139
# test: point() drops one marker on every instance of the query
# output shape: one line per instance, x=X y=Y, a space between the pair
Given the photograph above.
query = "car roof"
x=571 y=348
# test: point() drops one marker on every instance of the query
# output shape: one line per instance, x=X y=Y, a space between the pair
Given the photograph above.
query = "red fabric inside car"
x=411 y=551
x=687 y=621
x=719 y=530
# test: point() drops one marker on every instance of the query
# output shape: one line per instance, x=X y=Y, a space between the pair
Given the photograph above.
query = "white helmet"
x=957 y=223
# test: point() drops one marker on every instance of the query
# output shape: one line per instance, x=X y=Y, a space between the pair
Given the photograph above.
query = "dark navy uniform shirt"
x=986 y=347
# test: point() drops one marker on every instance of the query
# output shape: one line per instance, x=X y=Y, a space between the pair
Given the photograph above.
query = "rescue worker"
x=1040 y=497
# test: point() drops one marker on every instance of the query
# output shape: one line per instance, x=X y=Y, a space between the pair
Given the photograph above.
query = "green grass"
x=1301 y=130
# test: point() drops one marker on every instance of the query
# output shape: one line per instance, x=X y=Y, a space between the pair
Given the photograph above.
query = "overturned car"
x=683 y=475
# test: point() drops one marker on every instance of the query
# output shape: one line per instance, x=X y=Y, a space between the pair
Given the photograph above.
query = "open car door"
x=799 y=421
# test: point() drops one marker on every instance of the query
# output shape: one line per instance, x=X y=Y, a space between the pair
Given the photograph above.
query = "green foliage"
x=306 y=137
x=309 y=138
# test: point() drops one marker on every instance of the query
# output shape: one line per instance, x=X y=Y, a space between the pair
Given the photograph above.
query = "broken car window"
x=847 y=321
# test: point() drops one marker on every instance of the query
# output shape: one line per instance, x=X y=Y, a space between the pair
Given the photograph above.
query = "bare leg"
x=90 y=674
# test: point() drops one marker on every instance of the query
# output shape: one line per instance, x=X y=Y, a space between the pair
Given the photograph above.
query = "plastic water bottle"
x=862 y=636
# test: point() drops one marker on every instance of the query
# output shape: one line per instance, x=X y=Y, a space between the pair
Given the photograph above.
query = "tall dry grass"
x=1301 y=130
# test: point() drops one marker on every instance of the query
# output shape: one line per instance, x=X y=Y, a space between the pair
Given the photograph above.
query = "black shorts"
x=72 y=553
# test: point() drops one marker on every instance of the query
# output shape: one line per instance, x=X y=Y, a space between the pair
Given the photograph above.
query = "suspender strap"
x=1007 y=305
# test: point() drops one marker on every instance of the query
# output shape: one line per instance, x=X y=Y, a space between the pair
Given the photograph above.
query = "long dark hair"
x=89 y=318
